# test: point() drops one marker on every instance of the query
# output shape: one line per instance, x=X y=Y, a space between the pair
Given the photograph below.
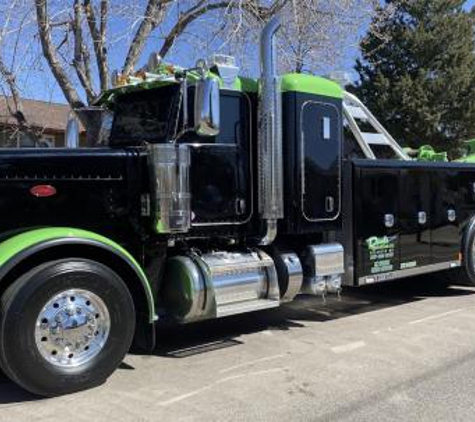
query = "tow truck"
x=204 y=194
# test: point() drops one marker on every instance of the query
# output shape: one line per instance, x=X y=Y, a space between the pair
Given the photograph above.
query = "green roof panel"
x=300 y=82
x=246 y=84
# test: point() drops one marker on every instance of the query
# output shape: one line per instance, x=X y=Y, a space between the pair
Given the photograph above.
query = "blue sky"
x=41 y=85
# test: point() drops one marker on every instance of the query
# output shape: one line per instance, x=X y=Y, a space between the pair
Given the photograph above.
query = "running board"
x=409 y=272
x=247 y=306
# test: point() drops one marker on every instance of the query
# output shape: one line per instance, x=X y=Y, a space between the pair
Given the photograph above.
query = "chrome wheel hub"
x=72 y=328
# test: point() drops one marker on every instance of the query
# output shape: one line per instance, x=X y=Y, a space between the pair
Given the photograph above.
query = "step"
x=356 y=112
x=244 y=307
x=375 y=138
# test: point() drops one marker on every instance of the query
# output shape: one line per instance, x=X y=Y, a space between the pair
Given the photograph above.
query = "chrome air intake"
x=270 y=166
x=169 y=166
x=218 y=284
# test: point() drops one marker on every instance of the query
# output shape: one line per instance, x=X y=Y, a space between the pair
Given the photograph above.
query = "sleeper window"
x=326 y=127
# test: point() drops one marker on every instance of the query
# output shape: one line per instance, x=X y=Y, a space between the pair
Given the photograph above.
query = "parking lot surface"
x=401 y=351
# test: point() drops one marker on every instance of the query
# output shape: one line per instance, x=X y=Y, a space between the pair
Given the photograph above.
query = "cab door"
x=220 y=174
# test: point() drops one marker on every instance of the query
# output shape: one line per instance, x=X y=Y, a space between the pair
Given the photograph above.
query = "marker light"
x=43 y=191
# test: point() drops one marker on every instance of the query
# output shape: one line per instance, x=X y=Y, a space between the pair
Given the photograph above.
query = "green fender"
x=20 y=243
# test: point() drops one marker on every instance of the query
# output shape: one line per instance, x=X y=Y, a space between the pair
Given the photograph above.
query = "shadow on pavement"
x=188 y=340
x=11 y=393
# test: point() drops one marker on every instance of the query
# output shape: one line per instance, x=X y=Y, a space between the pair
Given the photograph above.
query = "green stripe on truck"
x=21 y=242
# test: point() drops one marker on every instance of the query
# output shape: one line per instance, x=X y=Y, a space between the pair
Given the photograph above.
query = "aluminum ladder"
x=355 y=112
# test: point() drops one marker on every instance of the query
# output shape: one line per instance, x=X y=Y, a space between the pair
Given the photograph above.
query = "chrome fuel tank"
x=219 y=284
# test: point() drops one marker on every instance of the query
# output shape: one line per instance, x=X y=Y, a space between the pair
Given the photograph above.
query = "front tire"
x=65 y=326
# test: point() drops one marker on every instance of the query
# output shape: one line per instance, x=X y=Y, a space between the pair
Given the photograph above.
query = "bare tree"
x=12 y=29
x=83 y=32
x=316 y=35
x=81 y=40
x=320 y=33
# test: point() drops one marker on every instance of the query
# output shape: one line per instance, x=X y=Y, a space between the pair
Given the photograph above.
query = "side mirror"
x=71 y=137
x=207 y=107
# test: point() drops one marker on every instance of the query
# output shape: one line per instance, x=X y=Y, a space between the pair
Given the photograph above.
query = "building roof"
x=40 y=114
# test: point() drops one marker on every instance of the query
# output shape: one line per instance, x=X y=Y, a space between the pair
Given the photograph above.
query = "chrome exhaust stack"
x=71 y=136
x=270 y=165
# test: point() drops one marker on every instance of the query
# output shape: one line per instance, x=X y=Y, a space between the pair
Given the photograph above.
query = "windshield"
x=145 y=116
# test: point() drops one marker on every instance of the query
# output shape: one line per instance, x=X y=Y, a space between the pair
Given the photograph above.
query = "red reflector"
x=43 y=191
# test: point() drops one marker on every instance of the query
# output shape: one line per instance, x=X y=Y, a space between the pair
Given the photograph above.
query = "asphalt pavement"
x=395 y=352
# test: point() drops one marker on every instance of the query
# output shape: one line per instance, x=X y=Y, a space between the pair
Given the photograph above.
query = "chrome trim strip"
x=302 y=162
x=394 y=275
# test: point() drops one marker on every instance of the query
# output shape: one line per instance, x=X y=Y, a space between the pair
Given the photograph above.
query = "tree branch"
x=49 y=51
x=251 y=6
x=17 y=111
x=186 y=19
x=98 y=35
x=79 y=62
x=154 y=13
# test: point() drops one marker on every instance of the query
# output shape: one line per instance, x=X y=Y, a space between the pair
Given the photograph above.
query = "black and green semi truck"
x=206 y=195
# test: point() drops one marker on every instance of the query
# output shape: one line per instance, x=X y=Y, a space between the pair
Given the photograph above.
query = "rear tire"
x=452 y=277
x=469 y=253
x=464 y=275
x=65 y=326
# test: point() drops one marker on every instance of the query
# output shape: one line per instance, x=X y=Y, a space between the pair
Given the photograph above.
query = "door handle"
x=422 y=217
x=451 y=215
x=389 y=220
x=329 y=204
x=240 y=206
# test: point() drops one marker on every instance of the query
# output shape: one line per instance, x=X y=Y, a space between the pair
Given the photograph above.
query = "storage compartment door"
x=466 y=195
x=415 y=218
x=446 y=213
x=376 y=220
x=320 y=161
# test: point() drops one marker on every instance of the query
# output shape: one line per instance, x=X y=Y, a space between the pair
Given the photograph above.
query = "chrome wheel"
x=72 y=328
